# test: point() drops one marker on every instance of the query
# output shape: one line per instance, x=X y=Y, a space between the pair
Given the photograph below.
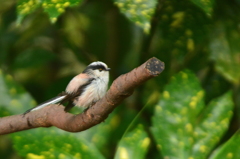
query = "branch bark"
x=54 y=115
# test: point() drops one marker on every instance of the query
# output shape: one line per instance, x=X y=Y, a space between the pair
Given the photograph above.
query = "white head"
x=97 y=69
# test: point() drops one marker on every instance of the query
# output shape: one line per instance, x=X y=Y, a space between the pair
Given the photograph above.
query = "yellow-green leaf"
x=54 y=8
x=53 y=143
x=181 y=127
x=133 y=145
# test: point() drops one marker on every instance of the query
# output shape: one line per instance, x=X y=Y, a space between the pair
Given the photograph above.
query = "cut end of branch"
x=155 y=66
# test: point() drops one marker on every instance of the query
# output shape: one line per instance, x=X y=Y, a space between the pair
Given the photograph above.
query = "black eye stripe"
x=94 y=67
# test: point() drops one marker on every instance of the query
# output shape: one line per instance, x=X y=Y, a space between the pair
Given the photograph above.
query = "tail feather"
x=46 y=103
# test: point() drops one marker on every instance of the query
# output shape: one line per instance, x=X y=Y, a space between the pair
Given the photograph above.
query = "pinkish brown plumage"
x=76 y=82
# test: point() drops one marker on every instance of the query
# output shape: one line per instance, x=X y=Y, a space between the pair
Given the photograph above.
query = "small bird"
x=83 y=90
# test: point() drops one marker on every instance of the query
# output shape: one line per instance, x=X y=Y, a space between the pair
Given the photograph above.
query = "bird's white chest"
x=92 y=93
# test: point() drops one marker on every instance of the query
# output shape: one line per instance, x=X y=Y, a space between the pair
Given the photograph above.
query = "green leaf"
x=206 y=5
x=175 y=114
x=214 y=123
x=53 y=8
x=230 y=149
x=25 y=7
x=138 y=11
x=14 y=99
x=53 y=143
x=225 y=50
x=177 y=127
x=102 y=134
x=179 y=35
x=32 y=57
x=133 y=145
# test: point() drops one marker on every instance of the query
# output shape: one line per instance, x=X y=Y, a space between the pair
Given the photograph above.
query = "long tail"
x=48 y=102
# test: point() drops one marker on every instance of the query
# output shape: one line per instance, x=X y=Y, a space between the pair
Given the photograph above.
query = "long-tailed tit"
x=84 y=89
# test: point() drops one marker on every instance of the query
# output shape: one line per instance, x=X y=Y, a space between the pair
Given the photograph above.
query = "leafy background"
x=190 y=111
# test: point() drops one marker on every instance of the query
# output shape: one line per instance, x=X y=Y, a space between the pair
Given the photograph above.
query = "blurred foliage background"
x=192 y=110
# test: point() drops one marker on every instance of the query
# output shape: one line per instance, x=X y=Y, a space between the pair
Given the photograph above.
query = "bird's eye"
x=100 y=69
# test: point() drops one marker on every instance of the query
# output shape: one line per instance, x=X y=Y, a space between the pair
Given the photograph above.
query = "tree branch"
x=54 y=115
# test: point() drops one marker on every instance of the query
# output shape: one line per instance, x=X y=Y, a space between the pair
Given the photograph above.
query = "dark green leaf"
x=206 y=5
x=14 y=99
x=138 y=11
x=181 y=36
x=225 y=50
x=32 y=58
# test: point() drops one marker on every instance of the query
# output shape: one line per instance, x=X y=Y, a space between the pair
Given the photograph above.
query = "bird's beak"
x=108 y=69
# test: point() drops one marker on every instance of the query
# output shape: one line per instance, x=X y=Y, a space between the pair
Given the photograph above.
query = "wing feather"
x=48 y=102
x=75 y=88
